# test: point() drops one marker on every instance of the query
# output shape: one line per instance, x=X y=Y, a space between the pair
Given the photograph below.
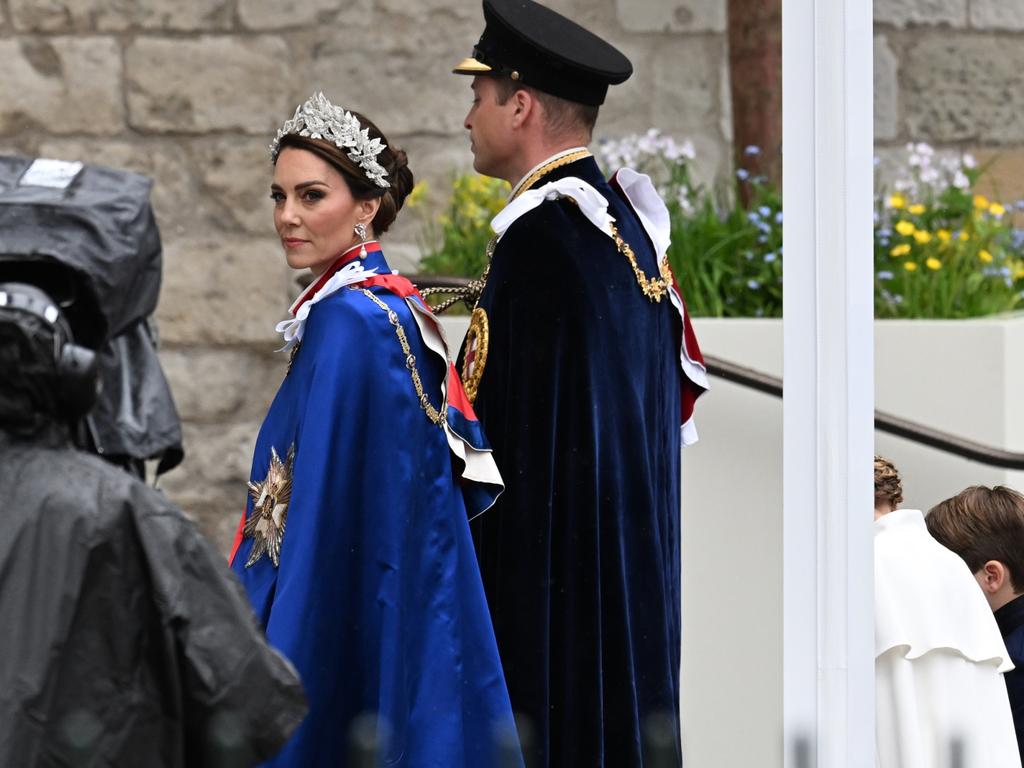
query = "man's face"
x=488 y=123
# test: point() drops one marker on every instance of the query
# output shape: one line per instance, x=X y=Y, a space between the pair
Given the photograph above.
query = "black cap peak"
x=543 y=49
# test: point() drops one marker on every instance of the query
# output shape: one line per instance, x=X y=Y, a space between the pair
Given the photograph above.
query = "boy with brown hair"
x=985 y=527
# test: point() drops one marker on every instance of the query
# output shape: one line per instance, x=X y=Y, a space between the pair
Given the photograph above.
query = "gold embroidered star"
x=270 y=499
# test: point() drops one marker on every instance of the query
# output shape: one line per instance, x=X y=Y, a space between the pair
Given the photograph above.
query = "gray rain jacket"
x=124 y=639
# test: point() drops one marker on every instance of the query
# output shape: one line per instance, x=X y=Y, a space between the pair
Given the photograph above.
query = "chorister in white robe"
x=939 y=657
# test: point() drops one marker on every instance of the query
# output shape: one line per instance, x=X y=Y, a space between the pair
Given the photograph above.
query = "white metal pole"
x=828 y=622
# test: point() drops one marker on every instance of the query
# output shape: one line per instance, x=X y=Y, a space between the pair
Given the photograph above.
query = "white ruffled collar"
x=350 y=274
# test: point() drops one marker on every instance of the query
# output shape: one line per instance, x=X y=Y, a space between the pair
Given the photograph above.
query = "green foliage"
x=939 y=249
x=455 y=242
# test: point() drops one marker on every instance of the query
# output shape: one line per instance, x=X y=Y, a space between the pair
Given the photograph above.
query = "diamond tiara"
x=317 y=118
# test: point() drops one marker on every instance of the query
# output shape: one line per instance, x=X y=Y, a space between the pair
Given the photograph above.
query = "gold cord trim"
x=655 y=289
x=438 y=417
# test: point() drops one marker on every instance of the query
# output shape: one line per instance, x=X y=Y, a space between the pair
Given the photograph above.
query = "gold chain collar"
x=437 y=417
x=655 y=289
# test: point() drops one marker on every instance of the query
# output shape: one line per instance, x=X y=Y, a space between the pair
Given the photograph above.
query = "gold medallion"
x=270 y=499
x=477 y=338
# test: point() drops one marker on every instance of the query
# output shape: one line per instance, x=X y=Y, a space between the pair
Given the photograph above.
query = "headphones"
x=77 y=366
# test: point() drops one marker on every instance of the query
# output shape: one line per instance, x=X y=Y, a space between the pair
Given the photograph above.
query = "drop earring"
x=360 y=230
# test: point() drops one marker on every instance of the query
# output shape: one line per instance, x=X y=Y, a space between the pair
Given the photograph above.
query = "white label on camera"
x=56 y=174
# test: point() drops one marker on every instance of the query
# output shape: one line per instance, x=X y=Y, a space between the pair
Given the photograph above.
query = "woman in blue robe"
x=355 y=548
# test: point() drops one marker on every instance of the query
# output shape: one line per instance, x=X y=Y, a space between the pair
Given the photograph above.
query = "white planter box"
x=964 y=377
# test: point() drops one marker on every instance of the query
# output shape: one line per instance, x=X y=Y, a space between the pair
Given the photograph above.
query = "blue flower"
x=742 y=174
x=884 y=232
x=885 y=275
x=883 y=241
x=754 y=217
x=765 y=211
x=762 y=239
x=752 y=149
x=770 y=257
x=765 y=228
x=753 y=285
x=778 y=217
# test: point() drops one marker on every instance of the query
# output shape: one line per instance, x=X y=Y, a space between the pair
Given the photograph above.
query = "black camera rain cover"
x=101 y=225
x=97 y=225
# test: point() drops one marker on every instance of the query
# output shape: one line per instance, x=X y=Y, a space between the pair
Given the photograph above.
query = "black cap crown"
x=541 y=48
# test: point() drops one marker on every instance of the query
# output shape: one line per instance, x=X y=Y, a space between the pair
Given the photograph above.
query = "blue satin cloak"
x=580 y=556
x=378 y=599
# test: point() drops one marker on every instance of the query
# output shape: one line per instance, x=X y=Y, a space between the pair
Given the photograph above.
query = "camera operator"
x=125 y=641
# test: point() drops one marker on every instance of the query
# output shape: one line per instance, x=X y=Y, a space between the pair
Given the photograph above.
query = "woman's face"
x=314 y=211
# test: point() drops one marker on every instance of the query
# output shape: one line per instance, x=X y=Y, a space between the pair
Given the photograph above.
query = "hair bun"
x=401 y=159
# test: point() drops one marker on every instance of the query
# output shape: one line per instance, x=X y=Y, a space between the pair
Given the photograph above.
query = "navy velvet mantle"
x=580 y=556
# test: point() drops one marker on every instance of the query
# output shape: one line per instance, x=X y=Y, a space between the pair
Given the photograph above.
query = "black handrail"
x=884 y=422
x=772 y=385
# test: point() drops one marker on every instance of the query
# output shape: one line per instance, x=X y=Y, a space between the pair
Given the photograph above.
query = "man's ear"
x=524 y=105
x=992 y=576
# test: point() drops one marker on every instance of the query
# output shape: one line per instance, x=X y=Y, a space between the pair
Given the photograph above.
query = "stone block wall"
x=191 y=91
x=947 y=72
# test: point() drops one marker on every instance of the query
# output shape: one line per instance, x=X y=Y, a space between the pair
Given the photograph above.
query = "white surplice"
x=939 y=657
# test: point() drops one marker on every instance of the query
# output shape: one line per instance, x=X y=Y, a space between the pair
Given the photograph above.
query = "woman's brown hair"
x=393 y=159
x=888 y=487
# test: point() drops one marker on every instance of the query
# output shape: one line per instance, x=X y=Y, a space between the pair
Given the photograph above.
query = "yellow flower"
x=933 y=263
x=910 y=266
x=1018 y=270
x=964 y=237
x=415 y=197
x=900 y=250
x=905 y=228
x=996 y=210
x=897 y=201
x=981 y=202
x=985 y=256
x=944 y=235
x=916 y=209
x=922 y=237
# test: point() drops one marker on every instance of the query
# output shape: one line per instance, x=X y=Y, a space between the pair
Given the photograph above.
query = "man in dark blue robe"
x=583 y=368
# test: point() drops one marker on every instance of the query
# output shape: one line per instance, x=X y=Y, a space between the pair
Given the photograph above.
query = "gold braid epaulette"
x=438 y=417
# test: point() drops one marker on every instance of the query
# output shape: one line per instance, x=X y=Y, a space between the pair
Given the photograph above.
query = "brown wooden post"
x=755 y=79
